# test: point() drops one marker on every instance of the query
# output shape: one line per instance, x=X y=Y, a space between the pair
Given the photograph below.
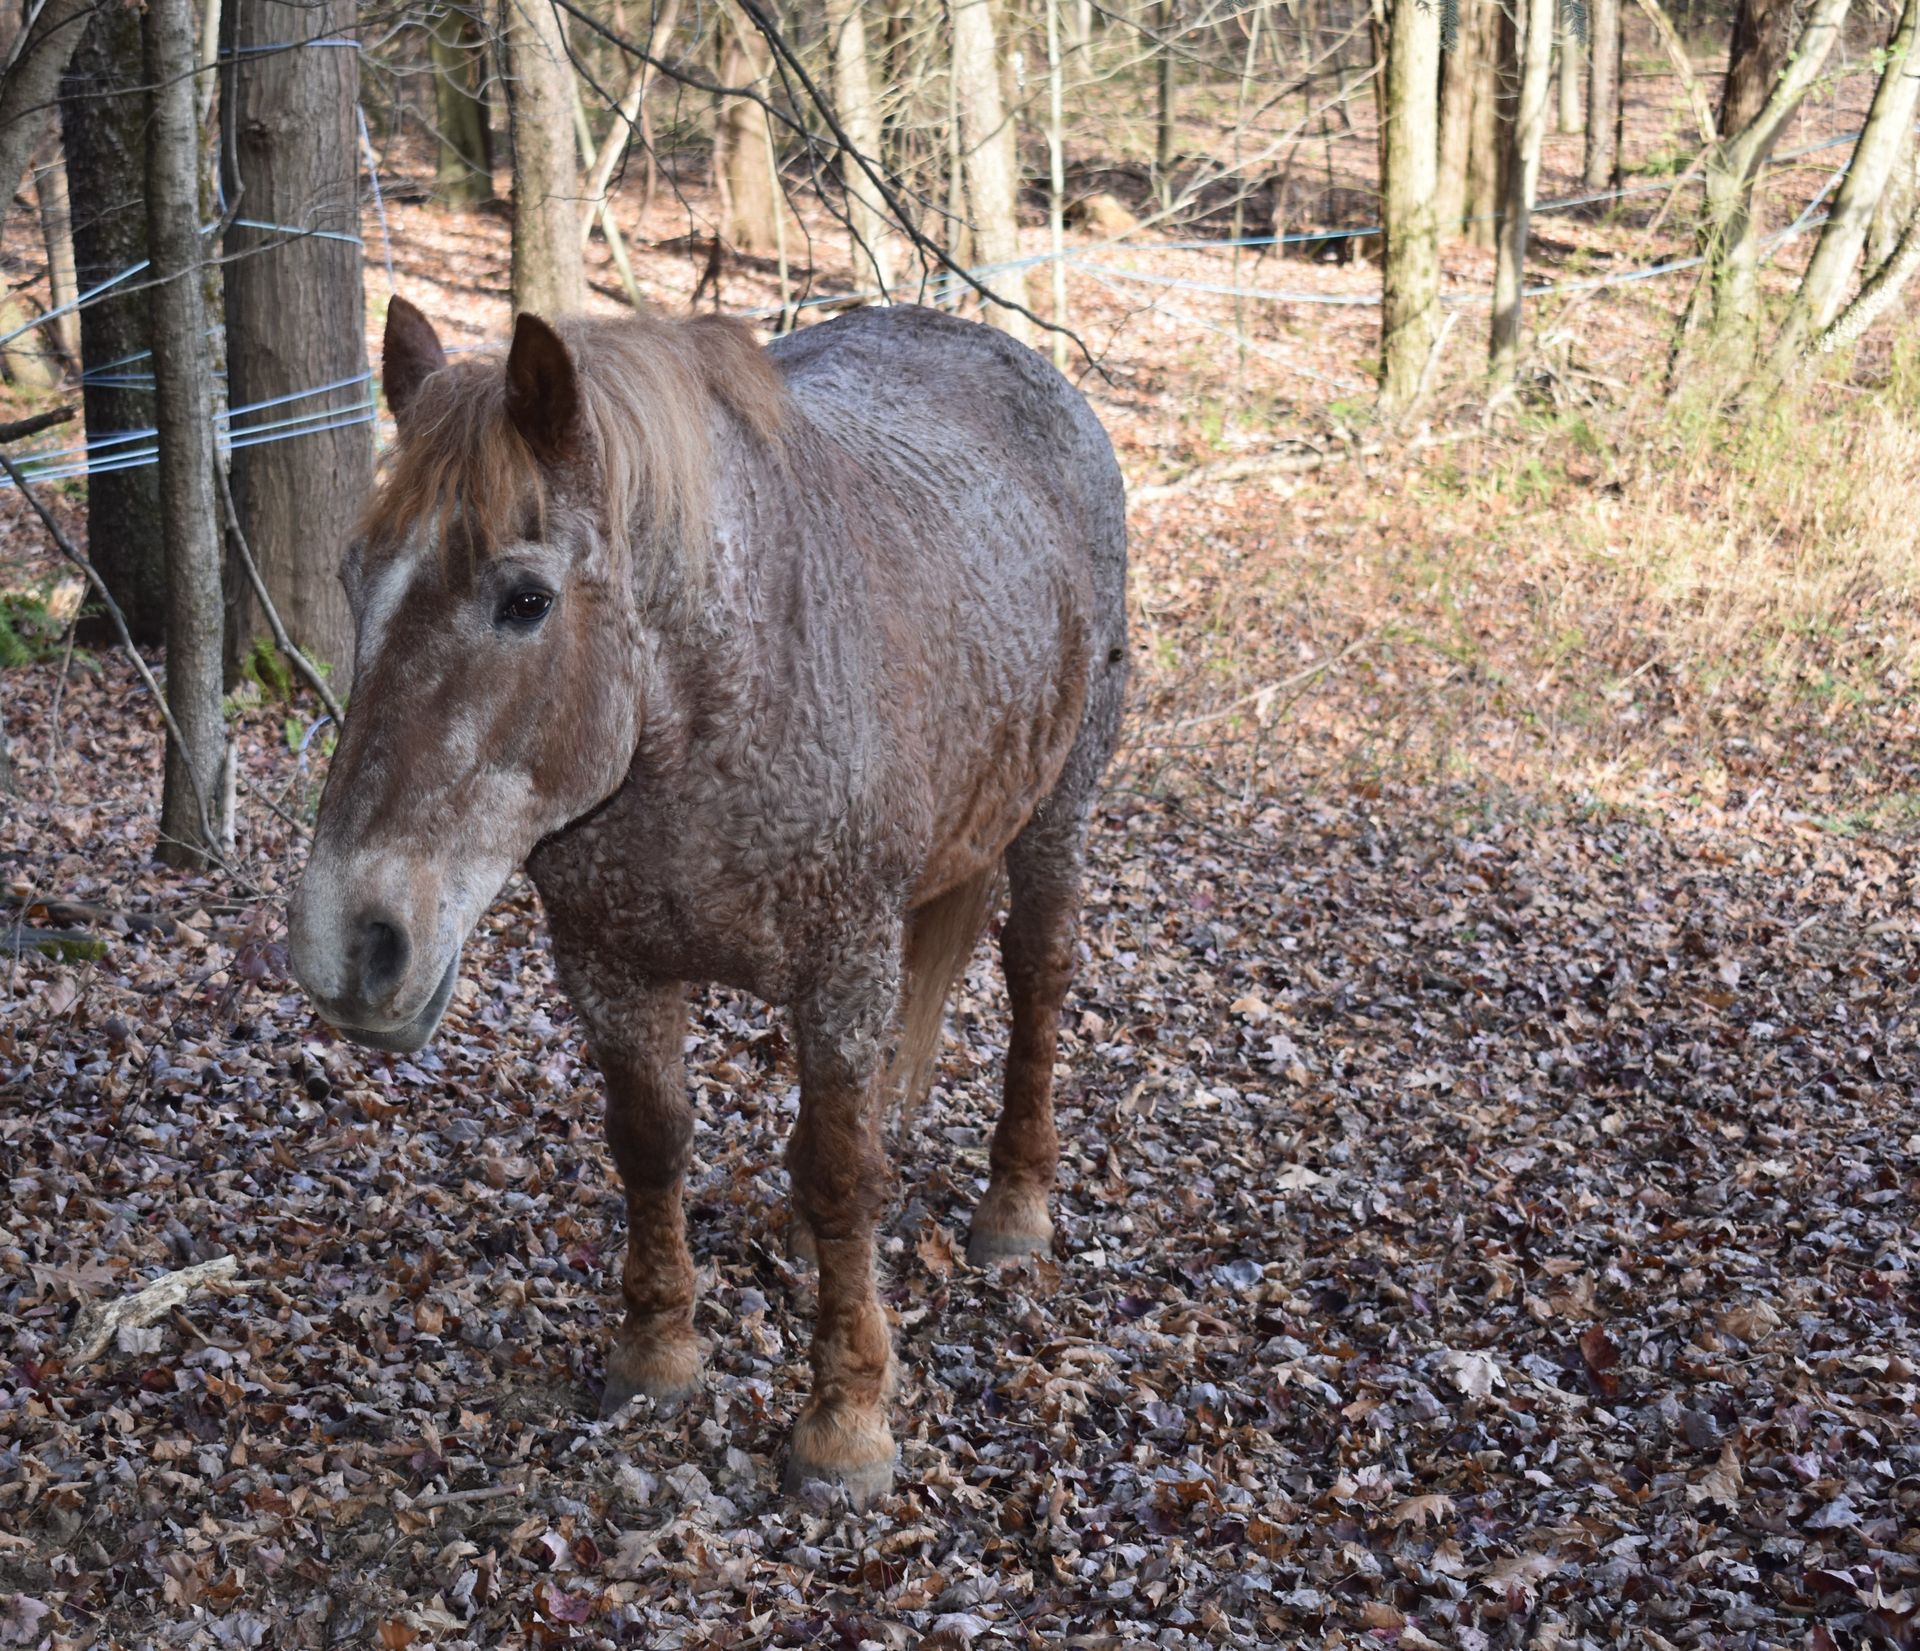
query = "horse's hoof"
x=846 y=1447
x=669 y=1376
x=863 y=1482
x=1011 y=1224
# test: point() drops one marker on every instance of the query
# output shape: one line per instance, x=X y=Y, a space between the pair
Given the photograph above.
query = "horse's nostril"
x=383 y=958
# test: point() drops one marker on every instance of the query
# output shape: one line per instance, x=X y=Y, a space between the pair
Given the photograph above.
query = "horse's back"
x=926 y=402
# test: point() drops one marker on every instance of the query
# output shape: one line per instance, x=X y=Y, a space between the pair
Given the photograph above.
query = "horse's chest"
x=644 y=898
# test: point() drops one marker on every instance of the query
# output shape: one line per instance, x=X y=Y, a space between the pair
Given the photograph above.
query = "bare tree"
x=547 y=274
x=751 y=204
x=1888 y=131
x=1883 y=287
x=463 y=176
x=32 y=77
x=1569 y=57
x=1532 y=53
x=103 y=126
x=56 y=230
x=1410 y=306
x=1603 y=93
x=295 y=314
x=860 y=116
x=1468 y=185
x=193 y=808
x=987 y=143
x=1733 y=165
x=1763 y=33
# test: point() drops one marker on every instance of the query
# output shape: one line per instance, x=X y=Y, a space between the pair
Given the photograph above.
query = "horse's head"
x=496 y=690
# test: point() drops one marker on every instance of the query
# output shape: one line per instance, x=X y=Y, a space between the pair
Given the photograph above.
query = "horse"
x=774 y=666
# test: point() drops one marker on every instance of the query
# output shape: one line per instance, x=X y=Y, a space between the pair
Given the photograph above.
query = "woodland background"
x=1491 y=1144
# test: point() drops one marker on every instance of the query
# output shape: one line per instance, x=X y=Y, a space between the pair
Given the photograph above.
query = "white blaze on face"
x=385 y=592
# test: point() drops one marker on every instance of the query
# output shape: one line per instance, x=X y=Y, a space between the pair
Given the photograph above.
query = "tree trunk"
x=547 y=275
x=1567 y=68
x=1883 y=286
x=987 y=141
x=1410 y=307
x=103 y=125
x=193 y=822
x=1732 y=241
x=1484 y=146
x=1603 y=92
x=1893 y=209
x=1762 y=37
x=32 y=80
x=296 y=320
x=751 y=191
x=463 y=176
x=1522 y=170
x=860 y=118
x=1163 y=143
x=1456 y=125
x=56 y=229
x=1889 y=126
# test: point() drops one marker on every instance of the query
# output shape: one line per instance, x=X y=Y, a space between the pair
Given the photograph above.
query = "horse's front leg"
x=840 y=1181
x=650 y=1130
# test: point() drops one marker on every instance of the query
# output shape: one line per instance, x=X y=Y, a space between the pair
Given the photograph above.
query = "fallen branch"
x=1253 y=465
x=451 y=1498
x=1262 y=697
x=99 y=1322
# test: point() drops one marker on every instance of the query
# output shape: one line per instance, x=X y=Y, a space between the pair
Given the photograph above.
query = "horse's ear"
x=543 y=391
x=410 y=354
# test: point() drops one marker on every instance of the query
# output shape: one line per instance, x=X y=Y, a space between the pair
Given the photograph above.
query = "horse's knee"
x=840 y=1175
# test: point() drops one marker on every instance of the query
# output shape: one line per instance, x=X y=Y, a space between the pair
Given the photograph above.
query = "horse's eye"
x=526 y=606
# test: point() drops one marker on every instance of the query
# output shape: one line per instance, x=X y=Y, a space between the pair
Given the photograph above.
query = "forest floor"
x=1490 y=1114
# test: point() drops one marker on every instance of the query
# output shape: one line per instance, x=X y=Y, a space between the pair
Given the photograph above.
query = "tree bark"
x=1456 y=125
x=1484 y=138
x=1883 y=286
x=1522 y=169
x=1163 y=143
x=32 y=80
x=1893 y=209
x=1410 y=306
x=1889 y=126
x=103 y=126
x=547 y=274
x=859 y=116
x=1569 y=61
x=193 y=804
x=296 y=319
x=1762 y=37
x=463 y=175
x=987 y=143
x=751 y=191
x=1603 y=92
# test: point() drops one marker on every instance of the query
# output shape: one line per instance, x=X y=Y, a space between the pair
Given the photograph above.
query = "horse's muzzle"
x=404 y=1037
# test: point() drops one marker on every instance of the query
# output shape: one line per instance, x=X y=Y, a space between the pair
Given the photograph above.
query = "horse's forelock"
x=648 y=390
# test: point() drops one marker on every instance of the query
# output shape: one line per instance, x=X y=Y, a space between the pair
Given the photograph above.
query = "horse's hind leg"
x=1044 y=865
x=650 y=1131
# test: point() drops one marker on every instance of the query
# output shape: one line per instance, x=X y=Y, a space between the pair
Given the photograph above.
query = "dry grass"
x=1619 y=606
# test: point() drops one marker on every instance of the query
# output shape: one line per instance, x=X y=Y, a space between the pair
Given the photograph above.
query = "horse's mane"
x=647 y=388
